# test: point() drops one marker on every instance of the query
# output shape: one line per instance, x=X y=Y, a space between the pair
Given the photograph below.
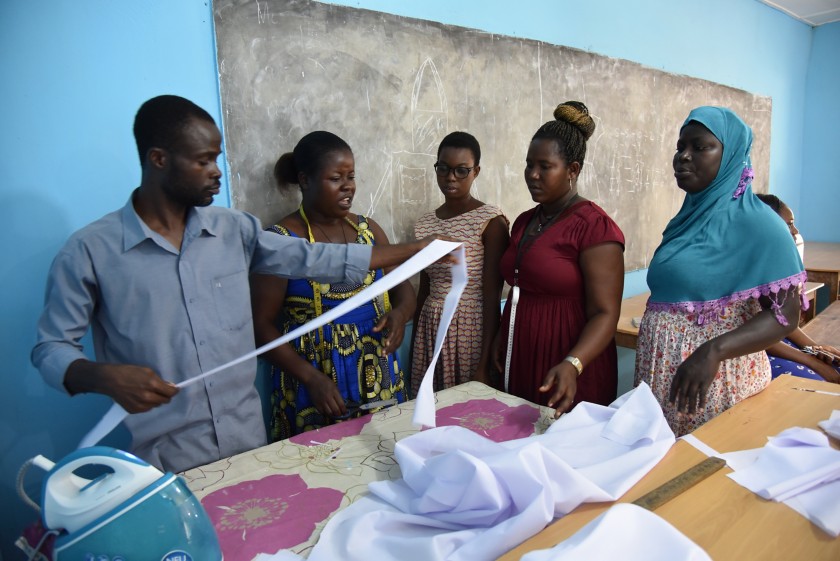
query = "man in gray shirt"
x=163 y=284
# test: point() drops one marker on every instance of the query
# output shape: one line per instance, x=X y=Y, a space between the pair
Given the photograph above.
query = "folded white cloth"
x=797 y=467
x=832 y=424
x=627 y=532
x=464 y=497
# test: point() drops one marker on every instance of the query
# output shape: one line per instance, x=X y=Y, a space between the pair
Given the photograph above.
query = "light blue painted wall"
x=75 y=72
x=820 y=187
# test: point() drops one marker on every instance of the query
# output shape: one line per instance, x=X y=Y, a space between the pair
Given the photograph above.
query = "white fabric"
x=283 y=555
x=797 y=467
x=832 y=424
x=464 y=497
x=424 y=408
x=431 y=253
x=626 y=532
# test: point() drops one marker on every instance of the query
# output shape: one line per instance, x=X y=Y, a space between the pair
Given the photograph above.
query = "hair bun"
x=576 y=114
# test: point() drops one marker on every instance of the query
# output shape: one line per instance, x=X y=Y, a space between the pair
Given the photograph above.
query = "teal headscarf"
x=724 y=244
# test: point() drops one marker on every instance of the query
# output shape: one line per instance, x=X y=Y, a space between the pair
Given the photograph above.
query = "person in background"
x=725 y=280
x=466 y=352
x=163 y=284
x=319 y=376
x=820 y=362
x=565 y=266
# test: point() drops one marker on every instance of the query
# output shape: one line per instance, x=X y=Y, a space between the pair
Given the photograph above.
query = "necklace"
x=541 y=224
x=329 y=239
x=548 y=219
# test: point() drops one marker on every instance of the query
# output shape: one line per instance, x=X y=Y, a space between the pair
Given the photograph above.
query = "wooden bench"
x=825 y=328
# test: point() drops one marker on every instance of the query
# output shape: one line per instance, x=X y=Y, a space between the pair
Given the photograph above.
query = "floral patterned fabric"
x=667 y=338
x=282 y=495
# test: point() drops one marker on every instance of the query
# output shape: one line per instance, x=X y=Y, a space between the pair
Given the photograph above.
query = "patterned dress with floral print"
x=667 y=338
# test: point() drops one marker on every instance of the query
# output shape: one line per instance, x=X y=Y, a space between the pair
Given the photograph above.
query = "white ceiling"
x=812 y=12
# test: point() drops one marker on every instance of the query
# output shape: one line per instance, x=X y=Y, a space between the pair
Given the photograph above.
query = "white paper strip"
x=430 y=254
x=424 y=408
x=700 y=445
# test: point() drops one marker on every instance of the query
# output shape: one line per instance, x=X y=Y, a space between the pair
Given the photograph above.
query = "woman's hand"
x=828 y=373
x=392 y=327
x=827 y=354
x=692 y=380
x=449 y=258
x=563 y=378
x=325 y=395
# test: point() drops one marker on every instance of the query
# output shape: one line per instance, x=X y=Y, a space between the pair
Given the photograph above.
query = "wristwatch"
x=576 y=363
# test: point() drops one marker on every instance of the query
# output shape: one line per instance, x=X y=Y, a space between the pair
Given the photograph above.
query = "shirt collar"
x=136 y=231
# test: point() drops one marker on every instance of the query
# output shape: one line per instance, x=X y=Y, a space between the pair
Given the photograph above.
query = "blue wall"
x=820 y=186
x=75 y=71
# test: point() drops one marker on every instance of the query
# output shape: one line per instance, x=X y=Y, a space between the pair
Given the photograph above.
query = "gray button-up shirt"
x=180 y=313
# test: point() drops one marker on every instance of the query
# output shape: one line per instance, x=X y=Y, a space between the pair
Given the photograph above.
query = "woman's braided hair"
x=571 y=128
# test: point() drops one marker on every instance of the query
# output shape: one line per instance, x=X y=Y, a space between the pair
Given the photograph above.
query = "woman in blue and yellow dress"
x=325 y=374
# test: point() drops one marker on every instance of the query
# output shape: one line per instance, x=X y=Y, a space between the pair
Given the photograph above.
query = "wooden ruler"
x=684 y=481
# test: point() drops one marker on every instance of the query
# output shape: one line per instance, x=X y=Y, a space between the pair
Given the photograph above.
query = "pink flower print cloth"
x=491 y=418
x=265 y=515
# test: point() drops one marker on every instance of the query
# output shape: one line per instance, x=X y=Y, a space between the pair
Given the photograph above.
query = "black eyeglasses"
x=460 y=172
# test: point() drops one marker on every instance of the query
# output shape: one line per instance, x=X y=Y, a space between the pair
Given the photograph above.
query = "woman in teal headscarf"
x=725 y=281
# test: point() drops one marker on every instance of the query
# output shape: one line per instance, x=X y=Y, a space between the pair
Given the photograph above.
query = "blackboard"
x=392 y=87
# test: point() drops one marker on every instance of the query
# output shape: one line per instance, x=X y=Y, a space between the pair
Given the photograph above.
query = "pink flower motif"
x=268 y=514
x=337 y=431
x=491 y=418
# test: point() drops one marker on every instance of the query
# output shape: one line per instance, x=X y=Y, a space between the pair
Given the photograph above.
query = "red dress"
x=550 y=313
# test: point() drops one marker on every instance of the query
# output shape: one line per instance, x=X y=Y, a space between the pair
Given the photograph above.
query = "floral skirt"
x=667 y=338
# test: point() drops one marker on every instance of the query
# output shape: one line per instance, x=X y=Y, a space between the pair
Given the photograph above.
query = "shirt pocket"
x=232 y=296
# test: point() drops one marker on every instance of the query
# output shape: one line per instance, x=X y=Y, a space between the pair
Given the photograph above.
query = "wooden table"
x=725 y=519
x=627 y=334
x=822 y=261
x=825 y=329
x=810 y=293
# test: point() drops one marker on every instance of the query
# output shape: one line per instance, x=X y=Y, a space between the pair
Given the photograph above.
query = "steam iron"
x=131 y=512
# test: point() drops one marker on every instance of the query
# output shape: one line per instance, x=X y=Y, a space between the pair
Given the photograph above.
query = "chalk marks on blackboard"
x=428 y=108
x=394 y=86
x=403 y=192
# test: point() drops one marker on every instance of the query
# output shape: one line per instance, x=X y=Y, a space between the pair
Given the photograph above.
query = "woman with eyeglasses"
x=565 y=266
x=330 y=373
x=483 y=228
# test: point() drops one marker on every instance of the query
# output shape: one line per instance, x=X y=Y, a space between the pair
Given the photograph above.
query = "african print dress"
x=346 y=349
x=461 y=351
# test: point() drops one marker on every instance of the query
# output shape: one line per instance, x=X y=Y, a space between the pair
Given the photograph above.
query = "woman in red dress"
x=565 y=266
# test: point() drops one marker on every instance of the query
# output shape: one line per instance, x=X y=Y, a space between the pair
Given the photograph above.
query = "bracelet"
x=576 y=363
